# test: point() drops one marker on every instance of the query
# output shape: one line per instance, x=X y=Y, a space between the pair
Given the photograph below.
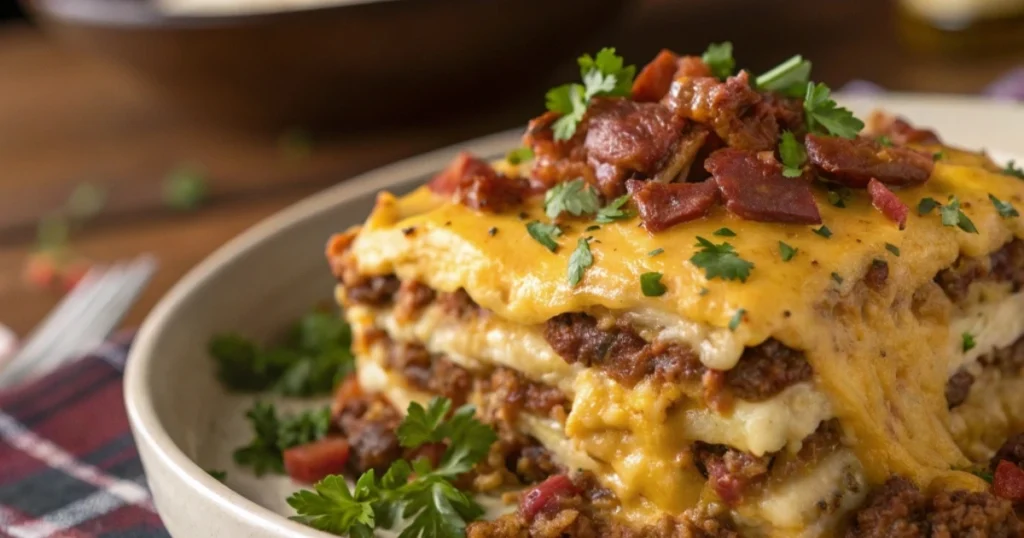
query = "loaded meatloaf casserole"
x=703 y=312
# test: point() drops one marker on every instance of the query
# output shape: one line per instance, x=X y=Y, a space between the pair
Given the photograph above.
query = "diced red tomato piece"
x=545 y=494
x=312 y=462
x=1009 y=482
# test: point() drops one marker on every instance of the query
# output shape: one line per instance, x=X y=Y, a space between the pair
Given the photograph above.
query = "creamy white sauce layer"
x=993 y=323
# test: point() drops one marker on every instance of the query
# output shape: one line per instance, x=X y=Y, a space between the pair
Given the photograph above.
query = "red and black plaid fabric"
x=68 y=465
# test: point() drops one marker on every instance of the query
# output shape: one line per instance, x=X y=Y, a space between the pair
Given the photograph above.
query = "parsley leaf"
x=968 y=341
x=720 y=261
x=613 y=211
x=422 y=426
x=893 y=249
x=579 y=261
x=838 y=279
x=793 y=155
x=823 y=231
x=884 y=141
x=274 y=435
x=789 y=78
x=519 y=155
x=938 y=155
x=724 y=232
x=603 y=75
x=786 y=251
x=544 y=234
x=219 y=475
x=926 y=205
x=838 y=197
x=655 y=252
x=575 y=197
x=1005 y=209
x=824 y=116
x=953 y=216
x=1013 y=170
x=719 y=59
x=737 y=318
x=983 y=474
x=651 y=286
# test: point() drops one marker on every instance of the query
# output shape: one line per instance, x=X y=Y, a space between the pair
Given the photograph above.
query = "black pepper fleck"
x=448 y=223
x=786 y=313
x=409 y=231
x=814 y=263
x=492 y=232
x=523 y=215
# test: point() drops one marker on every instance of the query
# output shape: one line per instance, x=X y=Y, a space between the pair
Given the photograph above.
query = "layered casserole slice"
x=707 y=306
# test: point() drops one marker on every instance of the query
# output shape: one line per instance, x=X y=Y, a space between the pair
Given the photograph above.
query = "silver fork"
x=82 y=320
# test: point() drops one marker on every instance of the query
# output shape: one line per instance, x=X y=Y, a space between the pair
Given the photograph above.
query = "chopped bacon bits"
x=756 y=189
x=662 y=205
x=311 y=462
x=888 y=203
x=737 y=113
x=899 y=130
x=474 y=183
x=853 y=162
x=656 y=77
x=1009 y=482
x=545 y=495
x=463 y=166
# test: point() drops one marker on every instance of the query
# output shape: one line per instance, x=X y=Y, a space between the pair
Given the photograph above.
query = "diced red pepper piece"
x=312 y=462
x=545 y=495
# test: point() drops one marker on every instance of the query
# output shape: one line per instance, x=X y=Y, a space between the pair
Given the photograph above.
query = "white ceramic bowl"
x=183 y=420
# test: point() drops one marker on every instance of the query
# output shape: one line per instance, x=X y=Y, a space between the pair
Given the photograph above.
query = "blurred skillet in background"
x=334 y=67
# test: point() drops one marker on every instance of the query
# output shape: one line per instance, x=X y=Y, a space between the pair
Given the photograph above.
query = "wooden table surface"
x=66 y=119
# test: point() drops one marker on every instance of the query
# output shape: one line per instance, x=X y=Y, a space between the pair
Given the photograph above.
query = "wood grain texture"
x=67 y=119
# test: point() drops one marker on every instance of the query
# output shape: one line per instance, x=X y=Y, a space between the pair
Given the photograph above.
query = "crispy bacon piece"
x=899 y=130
x=474 y=183
x=311 y=462
x=555 y=161
x=679 y=163
x=888 y=203
x=545 y=495
x=626 y=138
x=737 y=113
x=730 y=472
x=663 y=205
x=1009 y=482
x=755 y=188
x=788 y=112
x=853 y=162
x=656 y=77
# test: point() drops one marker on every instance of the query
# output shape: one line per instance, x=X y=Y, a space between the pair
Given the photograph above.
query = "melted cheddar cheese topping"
x=881 y=357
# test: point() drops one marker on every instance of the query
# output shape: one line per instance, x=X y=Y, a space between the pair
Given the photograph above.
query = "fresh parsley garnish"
x=220 y=476
x=544 y=234
x=893 y=249
x=603 y=75
x=1013 y=170
x=787 y=252
x=313 y=358
x=968 y=341
x=838 y=279
x=884 y=141
x=724 y=232
x=1005 y=209
x=737 y=318
x=789 y=78
x=938 y=156
x=953 y=216
x=838 y=197
x=655 y=252
x=983 y=474
x=824 y=116
x=651 y=286
x=719 y=59
x=575 y=197
x=720 y=261
x=823 y=231
x=613 y=211
x=519 y=155
x=579 y=261
x=417 y=494
x=793 y=155
x=273 y=435
x=926 y=205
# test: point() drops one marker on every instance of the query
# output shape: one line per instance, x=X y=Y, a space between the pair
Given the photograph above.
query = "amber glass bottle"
x=970 y=27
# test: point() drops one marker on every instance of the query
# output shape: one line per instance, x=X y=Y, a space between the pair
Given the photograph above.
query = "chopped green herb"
x=824 y=116
x=823 y=231
x=703 y=292
x=421 y=497
x=838 y=197
x=575 y=197
x=786 y=251
x=544 y=234
x=968 y=341
x=793 y=155
x=579 y=261
x=983 y=474
x=650 y=284
x=1005 y=209
x=720 y=261
x=938 y=155
x=789 y=77
x=592 y=228
x=737 y=318
x=893 y=248
x=926 y=205
x=314 y=358
x=1013 y=170
x=724 y=232
x=719 y=59
x=603 y=75
x=613 y=211
x=655 y=252
x=884 y=141
x=838 y=279
x=953 y=216
x=519 y=155
x=220 y=476
x=185 y=188
x=273 y=435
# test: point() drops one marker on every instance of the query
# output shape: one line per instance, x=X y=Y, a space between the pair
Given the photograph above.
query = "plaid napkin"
x=68 y=465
